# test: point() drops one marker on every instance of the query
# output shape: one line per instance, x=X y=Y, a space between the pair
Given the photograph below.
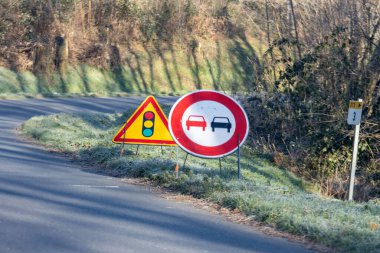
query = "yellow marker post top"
x=356 y=105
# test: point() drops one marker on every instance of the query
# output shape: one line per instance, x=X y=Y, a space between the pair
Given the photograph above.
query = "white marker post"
x=354 y=118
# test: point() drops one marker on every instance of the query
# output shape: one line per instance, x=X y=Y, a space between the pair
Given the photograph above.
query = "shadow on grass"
x=151 y=66
x=245 y=62
x=284 y=177
x=193 y=62
x=158 y=67
x=159 y=51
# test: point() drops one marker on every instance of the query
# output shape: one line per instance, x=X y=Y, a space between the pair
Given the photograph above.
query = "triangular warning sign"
x=148 y=125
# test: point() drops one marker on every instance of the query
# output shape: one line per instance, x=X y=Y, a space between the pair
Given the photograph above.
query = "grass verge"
x=266 y=193
x=162 y=69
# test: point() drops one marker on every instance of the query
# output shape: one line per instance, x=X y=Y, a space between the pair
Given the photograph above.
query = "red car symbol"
x=196 y=121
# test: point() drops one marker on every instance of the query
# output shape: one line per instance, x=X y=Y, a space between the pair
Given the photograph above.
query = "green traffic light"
x=147 y=132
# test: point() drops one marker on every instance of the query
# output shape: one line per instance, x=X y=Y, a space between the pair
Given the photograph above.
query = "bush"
x=307 y=120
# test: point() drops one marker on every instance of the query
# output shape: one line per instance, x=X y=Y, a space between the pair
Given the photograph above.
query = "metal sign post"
x=184 y=162
x=238 y=157
x=177 y=166
x=122 y=147
x=354 y=117
x=220 y=166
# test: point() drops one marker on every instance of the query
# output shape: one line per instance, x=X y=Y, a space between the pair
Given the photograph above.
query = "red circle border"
x=179 y=136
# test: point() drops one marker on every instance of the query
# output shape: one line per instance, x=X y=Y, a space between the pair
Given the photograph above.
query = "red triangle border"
x=150 y=100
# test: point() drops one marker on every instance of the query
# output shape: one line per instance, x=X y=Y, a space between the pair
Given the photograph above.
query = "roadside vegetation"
x=267 y=193
x=294 y=64
x=172 y=71
x=102 y=47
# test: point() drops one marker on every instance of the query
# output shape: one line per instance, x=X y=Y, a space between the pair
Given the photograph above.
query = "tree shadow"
x=21 y=82
x=133 y=73
x=43 y=83
x=215 y=76
x=193 y=58
x=12 y=81
x=14 y=66
x=63 y=85
x=138 y=69
x=165 y=62
x=85 y=80
x=151 y=66
x=117 y=67
x=175 y=63
x=245 y=62
x=212 y=74
x=285 y=179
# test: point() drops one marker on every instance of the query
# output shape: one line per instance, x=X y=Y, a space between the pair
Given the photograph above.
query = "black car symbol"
x=221 y=122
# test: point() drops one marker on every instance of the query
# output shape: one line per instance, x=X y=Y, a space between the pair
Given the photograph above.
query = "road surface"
x=49 y=204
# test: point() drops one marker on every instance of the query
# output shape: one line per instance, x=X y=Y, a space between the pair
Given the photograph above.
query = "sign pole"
x=122 y=147
x=238 y=153
x=184 y=162
x=220 y=166
x=177 y=166
x=137 y=150
x=354 y=155
x=353 y=163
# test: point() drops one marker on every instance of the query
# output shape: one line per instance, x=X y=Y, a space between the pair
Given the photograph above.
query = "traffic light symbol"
x=148 y=124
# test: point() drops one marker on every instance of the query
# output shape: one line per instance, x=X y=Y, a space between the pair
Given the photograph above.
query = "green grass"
x=227 y=65
x=265 y=193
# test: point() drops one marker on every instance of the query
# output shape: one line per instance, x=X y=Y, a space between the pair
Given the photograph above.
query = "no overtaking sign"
x=208 y=124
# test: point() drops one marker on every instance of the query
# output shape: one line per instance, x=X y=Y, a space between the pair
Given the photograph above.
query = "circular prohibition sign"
x=208 y=124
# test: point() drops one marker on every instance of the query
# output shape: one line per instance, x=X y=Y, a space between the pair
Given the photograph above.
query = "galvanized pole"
x=238 y=153
x=353 y=163
x=184 y=162
x=354 y=160
x=220 y=166
x=177 y=165
x=137 y=150
x=122 y=147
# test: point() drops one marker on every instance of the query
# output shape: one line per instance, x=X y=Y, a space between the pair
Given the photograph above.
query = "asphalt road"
x=49 y=204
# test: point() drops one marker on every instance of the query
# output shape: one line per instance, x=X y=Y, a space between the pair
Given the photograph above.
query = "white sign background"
x=354 y=116
x=208 y=109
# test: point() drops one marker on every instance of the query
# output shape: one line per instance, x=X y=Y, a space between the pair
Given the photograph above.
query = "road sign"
x=208 y=124
x=354 y=117
x=354 y=112
x=148 y=125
